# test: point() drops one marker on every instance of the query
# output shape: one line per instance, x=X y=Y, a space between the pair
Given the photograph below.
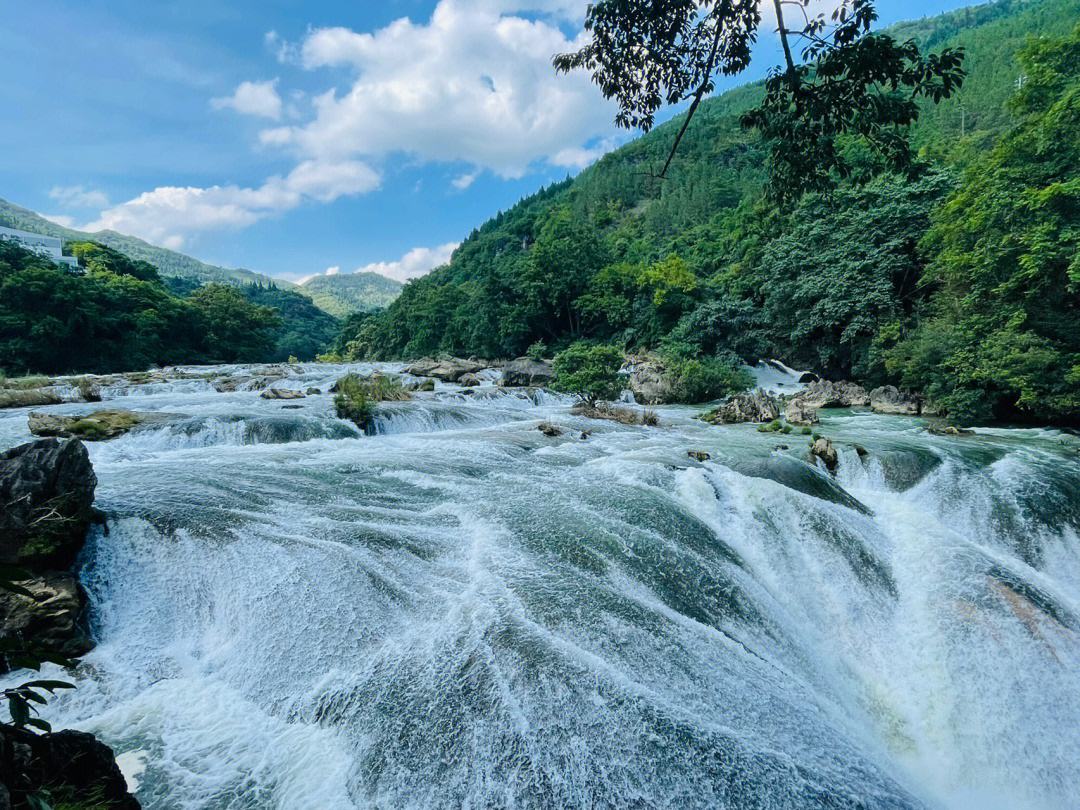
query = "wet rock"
x=797 y=412
x=525 y=372
x=50 y=619
x=549 y=429
x=94 y=426
x=469 y=380
x=291 y=407
x=449 y=370
x=808 y=377
x=313 y=392
x=755 y=406
x=76 y=768
x=282 y=393
x=47 y=489
x=801 y=477
x=829 y=394
x=421 y=385
x=824 y=450
x=891 y=400
x=649 y=381
x=27 y=398
x=698 y=455
x=949 y=430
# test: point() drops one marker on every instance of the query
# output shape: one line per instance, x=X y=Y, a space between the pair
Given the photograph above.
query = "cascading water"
x=459 y=611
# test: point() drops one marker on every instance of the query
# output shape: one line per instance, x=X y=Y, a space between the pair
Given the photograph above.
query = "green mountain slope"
x=346 y=293
x=701 y=264
x=168 y=262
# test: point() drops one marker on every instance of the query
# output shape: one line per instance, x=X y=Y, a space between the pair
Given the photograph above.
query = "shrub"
x=700 y=380
x=589 y=371
x=356 y=396
x=352 y=402
x=536 y=351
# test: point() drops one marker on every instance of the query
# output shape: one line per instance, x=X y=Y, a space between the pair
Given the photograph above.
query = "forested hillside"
x=959 y=280
x=119 y=314
x=346 y=293
x=168 y=262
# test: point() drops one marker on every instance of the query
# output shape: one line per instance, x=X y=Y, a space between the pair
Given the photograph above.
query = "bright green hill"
x=841 y=284
x=346 y=293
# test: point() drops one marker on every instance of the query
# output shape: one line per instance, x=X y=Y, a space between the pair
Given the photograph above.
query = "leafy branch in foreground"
x=851 y=82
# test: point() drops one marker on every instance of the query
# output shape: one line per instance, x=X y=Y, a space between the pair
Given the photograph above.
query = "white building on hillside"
x=50 y=246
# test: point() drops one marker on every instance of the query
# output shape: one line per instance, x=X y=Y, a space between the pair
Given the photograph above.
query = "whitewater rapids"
x=460 y=611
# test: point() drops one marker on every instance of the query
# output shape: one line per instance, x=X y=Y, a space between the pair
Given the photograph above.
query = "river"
x=460 y=611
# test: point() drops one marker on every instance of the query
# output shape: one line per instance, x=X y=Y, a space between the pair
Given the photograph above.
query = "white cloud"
x=78 y=197
x=168 y=215
x=463 y=181
x=332 y=271
x=260 y=99
x=473 y=84
x=417 y=262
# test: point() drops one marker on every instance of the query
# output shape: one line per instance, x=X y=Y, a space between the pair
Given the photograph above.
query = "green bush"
x=700 y=380
x=537 y=350
x=589 y=371
x=356 y=396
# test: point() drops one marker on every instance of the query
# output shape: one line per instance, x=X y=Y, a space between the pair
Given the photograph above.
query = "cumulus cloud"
x=417 y=262
x=463 y=181
x=168 y=215
x=473 y=84
x=78 y=197
x=260 y=99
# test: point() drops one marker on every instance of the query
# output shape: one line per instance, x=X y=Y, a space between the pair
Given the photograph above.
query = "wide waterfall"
x=460 y=611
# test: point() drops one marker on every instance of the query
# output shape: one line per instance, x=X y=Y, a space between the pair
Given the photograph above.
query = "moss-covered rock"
x=96 y=426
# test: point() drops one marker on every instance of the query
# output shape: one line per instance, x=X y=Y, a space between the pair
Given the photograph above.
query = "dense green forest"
x=345 y=293
x=119 y=314
x=960 y=279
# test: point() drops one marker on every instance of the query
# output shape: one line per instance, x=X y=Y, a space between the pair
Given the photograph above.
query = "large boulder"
x=75 y=767
x=526 y=372
x=47 y=494
x=890 y=399
x=282 y=393
x=27 y=398
x=750 y=406
x=449 y=370
x=649 y=381
x=823 y=449
x=469 y=380
x=798 y=413
x=830 y=394
x=94 y=426
x=50 y=619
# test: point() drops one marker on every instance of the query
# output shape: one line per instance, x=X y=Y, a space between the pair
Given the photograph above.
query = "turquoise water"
x=461 y=612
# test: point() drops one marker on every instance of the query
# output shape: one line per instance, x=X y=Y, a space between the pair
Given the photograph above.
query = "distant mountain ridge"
x=338 y=295
x=345 y=293
x=168 y=262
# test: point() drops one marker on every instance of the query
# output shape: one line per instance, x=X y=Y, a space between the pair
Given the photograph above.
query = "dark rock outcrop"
x=751 y=406
x=47 y=493
x=549 y=429
x=525 y=372
x=74 y=767
x=469 y=380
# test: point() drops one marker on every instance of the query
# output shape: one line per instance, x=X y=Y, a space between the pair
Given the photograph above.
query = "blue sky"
x=293 y=137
